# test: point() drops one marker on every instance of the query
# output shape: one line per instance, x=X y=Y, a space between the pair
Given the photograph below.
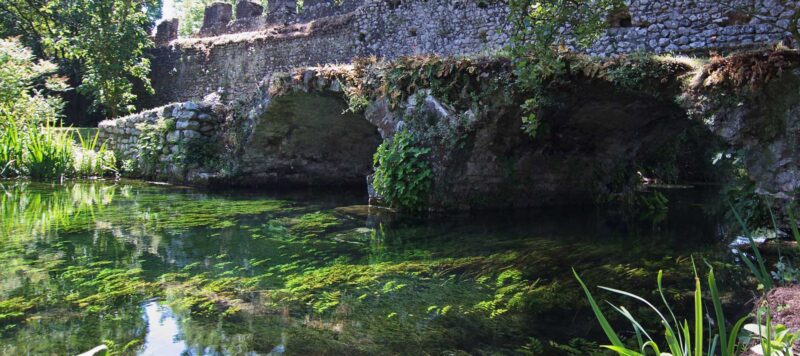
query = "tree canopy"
x=100 y=44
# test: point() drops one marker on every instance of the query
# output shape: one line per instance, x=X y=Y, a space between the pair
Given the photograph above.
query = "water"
x=158 y=270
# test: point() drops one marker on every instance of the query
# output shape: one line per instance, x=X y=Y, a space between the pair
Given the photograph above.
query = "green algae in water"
x=87 y=263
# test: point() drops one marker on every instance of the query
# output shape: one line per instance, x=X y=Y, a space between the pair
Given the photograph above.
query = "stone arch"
x=308 y=139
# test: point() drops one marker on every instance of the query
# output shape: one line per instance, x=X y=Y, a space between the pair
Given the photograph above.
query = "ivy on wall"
x=403 y=175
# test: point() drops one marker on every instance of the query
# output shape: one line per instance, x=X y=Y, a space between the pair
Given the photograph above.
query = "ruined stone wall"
x=325 y=32
x=190 y=69
x=172 y=130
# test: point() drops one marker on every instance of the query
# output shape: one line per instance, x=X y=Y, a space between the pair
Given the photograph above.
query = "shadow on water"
x=164 y=270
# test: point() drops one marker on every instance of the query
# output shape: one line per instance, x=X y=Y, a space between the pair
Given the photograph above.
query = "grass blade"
x=609 y=331
x=721 y=327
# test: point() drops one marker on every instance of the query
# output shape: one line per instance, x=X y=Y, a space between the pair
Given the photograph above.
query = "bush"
x=30 y=142
x=402 y=173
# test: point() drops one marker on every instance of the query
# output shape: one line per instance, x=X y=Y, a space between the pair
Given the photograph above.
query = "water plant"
x=48 y=152
x=91 y=159
x=10 y=146
x=760 y=272
x=681 y=338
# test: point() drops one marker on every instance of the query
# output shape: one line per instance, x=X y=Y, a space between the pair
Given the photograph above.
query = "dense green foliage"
x=100 y=45
x=402 y=173
x=31 y=144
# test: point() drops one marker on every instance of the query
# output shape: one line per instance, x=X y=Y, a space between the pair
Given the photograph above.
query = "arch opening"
x=308 y=139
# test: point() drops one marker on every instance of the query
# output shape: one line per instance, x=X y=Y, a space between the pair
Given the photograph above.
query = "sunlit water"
x=157 y=270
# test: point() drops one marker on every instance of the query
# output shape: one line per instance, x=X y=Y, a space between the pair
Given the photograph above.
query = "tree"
x=101 y=44
x=22 y=83
x=541 y=29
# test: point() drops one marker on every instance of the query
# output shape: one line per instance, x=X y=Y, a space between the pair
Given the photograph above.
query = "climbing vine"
x=542 y=31
x=151 y=141
x=402 y=172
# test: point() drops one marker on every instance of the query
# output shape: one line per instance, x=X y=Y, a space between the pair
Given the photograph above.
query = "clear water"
x=158 y=270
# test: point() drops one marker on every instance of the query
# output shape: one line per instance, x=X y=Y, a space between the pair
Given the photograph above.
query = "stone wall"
x=157 y=143
x=188 y=69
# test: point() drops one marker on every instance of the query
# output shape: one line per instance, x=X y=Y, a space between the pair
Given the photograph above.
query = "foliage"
x=91 y=160
x=99 y=44
x=773 y=340
x=745 y=72
x=402 y=173
x=48 y=153
x=22 y=79
x=150 y=144
x=541 y=30
x=11 y=148
x=759 y=272
x=678 y=335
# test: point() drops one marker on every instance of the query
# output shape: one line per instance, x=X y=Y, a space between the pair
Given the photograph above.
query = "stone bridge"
x=261 y=127
x=237 y=54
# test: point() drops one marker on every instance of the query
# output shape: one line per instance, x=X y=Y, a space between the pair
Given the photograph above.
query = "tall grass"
x=760 y=272
x=10 y=148
x=48 y=153
x=765 y=337
x=45 y=152
x=89 y=159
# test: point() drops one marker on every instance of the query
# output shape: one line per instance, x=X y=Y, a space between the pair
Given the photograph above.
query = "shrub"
x=402 y=172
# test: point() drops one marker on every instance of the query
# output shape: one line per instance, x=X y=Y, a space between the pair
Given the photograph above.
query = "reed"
x=10 y=148
x=680 y=338
x=90 y=158
x=47 y=153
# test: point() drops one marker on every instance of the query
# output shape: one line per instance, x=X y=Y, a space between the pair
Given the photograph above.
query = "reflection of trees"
x=71 y=333
x=31 y=210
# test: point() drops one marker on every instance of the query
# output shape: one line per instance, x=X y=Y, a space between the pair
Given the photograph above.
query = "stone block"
x=173 y=136
x=166 y=31
x=187 y=124
x=246 y=9
x=218 y=14
x=184 y=114
x=189 y=134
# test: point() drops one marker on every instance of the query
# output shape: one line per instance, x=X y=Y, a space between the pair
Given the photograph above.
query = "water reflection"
x=163 y=335
x=244 y=273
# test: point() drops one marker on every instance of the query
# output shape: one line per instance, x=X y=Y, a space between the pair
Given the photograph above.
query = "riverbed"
x=163 y=270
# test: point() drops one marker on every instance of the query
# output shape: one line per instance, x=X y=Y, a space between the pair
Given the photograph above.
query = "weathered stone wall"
x=171 y=130
x=324 y=33
x=750 y=101
x=298 y=132
x=190 y=69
